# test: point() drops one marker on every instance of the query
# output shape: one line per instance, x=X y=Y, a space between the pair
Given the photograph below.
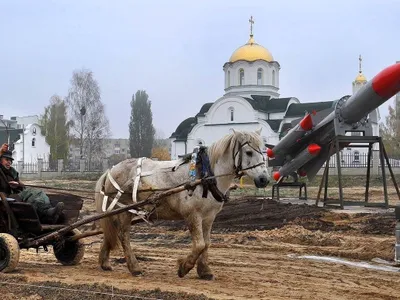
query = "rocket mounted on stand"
x=306 y=147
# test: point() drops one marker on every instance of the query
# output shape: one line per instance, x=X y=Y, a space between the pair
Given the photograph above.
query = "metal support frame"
x=295 y=184
x=370 y=140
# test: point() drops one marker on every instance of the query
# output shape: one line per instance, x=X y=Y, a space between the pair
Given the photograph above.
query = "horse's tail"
x=109 y=230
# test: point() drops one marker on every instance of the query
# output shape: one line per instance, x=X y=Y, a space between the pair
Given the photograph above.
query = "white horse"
x=236 y=154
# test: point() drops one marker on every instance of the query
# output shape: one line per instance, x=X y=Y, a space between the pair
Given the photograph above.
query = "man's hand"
x=13 y=184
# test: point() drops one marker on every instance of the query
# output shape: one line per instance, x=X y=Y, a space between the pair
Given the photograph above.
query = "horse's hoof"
x=207 y=277
x=106 y=268
x=181 y=272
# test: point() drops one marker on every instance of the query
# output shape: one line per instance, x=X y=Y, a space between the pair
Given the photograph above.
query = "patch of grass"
x=347 y=181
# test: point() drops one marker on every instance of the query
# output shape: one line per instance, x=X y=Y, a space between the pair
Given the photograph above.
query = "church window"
x=259 y=76
x=273 y=77
x=241 y=77
x=229 y=78
x=231 y=114
x=356 y=156
x=33 y=142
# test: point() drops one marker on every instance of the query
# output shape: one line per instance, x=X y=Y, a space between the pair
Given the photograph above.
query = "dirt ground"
x=256 y=253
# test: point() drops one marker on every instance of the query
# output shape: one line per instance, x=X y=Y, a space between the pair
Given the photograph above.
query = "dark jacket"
x=5 y=177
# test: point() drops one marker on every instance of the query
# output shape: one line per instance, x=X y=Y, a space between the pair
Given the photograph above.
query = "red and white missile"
x=296 y=163
x=374 y=93
x=291 y=137
x=369 y=97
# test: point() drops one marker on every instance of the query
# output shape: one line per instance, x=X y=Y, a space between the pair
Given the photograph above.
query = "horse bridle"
x=239 y=169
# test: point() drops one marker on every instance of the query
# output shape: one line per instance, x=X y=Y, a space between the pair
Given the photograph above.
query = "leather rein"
x=211 y=184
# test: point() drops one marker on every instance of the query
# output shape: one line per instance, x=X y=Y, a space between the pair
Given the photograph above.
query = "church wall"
x=276 y=116
x=208 y=134
x=220 y=112
x=32 y=146
x=270 y=73
x=177 y=148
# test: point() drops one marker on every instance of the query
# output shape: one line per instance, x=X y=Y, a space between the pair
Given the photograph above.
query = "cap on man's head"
x=7 y=154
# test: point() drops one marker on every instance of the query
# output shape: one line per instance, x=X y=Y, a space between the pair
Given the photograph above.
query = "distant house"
x=31 y=145
x=26 y=140
x=110 y=148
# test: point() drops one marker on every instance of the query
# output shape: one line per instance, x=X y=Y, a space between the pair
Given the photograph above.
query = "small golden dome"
x=251 y=51
x=361 y=78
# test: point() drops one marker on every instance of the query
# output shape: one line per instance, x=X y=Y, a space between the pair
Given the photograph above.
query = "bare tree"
x=90 y=123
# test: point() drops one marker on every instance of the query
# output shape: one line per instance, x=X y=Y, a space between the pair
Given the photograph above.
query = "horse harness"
x=203 y=167
x=239 y=169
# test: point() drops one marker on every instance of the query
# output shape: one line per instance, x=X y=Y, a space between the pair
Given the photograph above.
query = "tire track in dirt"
x=249 y=256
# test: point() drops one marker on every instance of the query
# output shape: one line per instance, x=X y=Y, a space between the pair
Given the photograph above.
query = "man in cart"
x=11 y=185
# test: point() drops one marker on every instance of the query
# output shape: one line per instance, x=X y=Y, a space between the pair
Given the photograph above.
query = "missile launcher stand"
x=290 y=184
x=340 y=140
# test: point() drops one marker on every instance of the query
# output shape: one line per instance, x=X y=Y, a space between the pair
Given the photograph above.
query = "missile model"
x=306 y=147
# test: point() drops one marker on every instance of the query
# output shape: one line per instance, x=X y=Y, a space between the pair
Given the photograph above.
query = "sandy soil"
x=256 y=244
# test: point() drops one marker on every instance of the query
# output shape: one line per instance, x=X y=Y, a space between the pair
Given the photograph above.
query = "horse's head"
x=245 y=149
x=249 y=159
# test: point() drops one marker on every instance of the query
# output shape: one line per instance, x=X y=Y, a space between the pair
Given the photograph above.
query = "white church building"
x=251 y=100
x=30 y=144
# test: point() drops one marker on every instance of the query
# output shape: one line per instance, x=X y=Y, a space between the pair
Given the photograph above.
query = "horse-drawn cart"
x=20 y=227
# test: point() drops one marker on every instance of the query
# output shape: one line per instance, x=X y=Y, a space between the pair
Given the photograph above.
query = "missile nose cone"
x=306 y=123
x=277 y=176
x=270 y=153
x=387 y=83
x=314 y=149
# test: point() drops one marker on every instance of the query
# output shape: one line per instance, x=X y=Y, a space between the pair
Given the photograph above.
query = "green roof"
x=184 y=128
x=274 y=124
x=268 y=104
x=299 y=109
x=204 y=109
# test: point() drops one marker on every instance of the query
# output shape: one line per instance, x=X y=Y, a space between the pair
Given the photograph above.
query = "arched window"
x=229 y=79
x=231 y=112
x=273 y=77
x=241 y=77
x=259 y=76
x=33 y=142
x=356 y=156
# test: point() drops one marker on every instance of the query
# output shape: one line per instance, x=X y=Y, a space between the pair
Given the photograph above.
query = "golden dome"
x=361 y=78
x=251 y=51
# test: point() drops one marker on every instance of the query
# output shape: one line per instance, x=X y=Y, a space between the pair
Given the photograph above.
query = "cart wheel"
x=69 y=253
x=9 y=252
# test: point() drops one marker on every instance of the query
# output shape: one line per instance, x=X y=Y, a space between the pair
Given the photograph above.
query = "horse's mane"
x=228 y=142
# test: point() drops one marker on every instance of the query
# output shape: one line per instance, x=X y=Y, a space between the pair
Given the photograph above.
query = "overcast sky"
x=175 y=50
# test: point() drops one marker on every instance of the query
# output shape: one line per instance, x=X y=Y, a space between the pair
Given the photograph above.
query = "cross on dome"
x=251 y=21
